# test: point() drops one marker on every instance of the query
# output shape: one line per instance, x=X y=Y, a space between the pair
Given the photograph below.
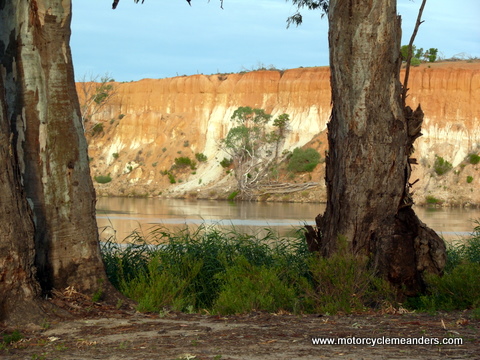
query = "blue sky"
x=168 y=38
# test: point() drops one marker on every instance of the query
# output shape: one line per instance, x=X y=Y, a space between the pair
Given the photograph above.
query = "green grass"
x=430 y=199
x=232 y=195
x=459 y=287
x=344 y=283
x=246 y=287
x=196 y=256
x=227 y=272
x=9 y=338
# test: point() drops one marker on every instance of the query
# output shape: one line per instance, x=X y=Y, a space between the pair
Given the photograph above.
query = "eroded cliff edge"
x=150 y=122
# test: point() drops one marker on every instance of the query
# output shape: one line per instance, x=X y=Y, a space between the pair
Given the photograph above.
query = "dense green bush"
x=303 y=160
x=125 y=263
x=441 y=166
x=474 y=159
x=103 y=179
x=201 y=157
x=164 y=285
x=198 y=256
x=430 y=199
x=469 y=179
x=464 y=251
x=415 y=61
x=225 y=163
x=184 y=162
x=171 y=178
x=456 y=290
x=246 y=287
x=459 y=287
x=345 y=283
x=97 y=129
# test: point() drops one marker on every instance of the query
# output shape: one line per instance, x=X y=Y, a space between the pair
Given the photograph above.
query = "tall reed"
x=226 y=271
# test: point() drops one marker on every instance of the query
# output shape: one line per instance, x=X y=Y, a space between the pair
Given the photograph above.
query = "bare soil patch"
x=98 y=331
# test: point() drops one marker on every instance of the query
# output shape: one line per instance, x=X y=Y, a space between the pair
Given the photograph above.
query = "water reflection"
x=126 y=214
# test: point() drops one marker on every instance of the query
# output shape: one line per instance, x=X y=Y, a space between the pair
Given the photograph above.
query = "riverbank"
x=314 y=193
x=150 y=123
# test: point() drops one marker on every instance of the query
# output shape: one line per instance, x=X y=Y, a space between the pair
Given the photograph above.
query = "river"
x=123 y=215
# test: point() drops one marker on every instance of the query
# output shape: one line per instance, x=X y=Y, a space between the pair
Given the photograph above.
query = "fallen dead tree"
x=285 y=188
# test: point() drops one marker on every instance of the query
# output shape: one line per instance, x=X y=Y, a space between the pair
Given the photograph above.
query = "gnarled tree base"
x=402 y=256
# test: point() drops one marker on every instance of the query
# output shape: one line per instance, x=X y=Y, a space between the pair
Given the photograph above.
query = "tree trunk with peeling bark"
x=371 y=137
x=49 y=150
x=19 y=289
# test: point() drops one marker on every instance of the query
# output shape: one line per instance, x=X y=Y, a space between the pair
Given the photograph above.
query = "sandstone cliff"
x=149 y=123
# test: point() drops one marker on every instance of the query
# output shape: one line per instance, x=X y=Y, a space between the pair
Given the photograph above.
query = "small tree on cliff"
x=252 y=149
x=429 y=55
x=94 y=94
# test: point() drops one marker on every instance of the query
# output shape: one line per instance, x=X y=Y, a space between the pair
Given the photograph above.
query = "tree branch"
x=115 y=3
x=410 y=52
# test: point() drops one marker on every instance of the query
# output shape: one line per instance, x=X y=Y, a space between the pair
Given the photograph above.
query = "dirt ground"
x=89 y=330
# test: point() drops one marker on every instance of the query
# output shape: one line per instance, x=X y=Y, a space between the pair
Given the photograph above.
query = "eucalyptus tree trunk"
x=19 y=289
x=370 y=140
x=49 y=146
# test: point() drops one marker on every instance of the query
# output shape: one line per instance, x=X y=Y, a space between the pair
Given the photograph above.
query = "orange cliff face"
x=169 y=118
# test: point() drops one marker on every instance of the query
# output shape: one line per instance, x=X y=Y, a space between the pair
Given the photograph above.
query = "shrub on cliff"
x=225 y=163
x=201 y=157
x=103 y=179
x=303 y=160
x=441 y=166
x=474 y=159
x=97 y=129
x=184 y=162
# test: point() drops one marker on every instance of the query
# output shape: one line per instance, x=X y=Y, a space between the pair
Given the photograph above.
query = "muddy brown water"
x=127 y=214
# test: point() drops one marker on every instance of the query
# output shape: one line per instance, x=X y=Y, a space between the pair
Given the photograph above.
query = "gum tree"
x=94 y=94
x=52 y=242
x=371 y=134
x=252 y=148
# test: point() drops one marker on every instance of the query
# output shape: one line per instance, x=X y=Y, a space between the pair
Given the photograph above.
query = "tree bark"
x=19 y=289
x=368 y=166
x=47 y=135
